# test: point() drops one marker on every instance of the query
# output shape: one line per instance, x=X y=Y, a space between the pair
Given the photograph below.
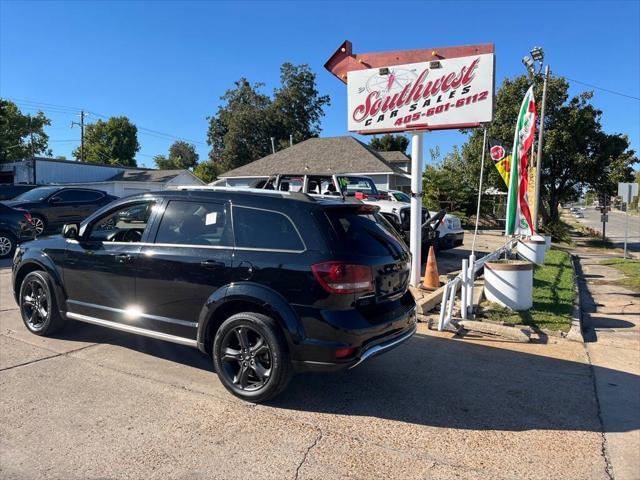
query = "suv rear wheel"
x=251 y=357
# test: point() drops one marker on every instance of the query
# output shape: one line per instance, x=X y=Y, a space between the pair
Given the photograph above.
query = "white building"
x=113 y=179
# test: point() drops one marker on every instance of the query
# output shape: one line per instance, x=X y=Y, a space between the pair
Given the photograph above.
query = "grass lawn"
x=554 y=291
x=630 y=268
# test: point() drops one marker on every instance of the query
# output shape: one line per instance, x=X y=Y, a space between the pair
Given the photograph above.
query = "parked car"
x=267 y=283
x=15 y=226
x=53 y=206
x=450 y=232
x=10 y=190
x=578 y=214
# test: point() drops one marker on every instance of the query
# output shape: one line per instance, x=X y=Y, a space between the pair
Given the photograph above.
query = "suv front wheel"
x=251 y=358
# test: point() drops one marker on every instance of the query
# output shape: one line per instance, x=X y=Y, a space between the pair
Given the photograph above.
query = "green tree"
x=576 y=152
x=21 y=136
x=182 y=155
x=113 y=142
x=239 y=134
x=241 y=130
x=297 y=106
x=206 y=171
x=389 y=143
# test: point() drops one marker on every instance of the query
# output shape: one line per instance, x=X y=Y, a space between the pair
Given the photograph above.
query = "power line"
x=65 y=109
x=598 y=88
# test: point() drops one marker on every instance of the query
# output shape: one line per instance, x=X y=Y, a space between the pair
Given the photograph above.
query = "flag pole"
x=484 y=149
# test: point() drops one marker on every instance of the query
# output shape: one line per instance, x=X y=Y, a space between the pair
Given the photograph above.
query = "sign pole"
x=475 y=232
x=539 y=157
x=415 y=239
x=626 y=219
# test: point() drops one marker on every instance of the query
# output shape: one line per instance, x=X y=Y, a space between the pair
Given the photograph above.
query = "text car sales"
x=422 y=98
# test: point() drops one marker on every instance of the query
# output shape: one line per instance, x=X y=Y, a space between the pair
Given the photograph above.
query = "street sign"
x=433 y=95
x=604 y=218
x=628 y=191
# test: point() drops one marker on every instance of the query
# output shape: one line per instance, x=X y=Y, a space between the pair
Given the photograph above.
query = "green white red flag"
x=518 y=213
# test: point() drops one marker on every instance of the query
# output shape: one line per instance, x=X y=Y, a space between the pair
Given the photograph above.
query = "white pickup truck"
x=448 y=233
x=450 y=229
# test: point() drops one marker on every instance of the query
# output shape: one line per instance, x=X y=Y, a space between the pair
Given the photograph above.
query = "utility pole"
x=81 y=125
x=273 y=145
x=33 y=152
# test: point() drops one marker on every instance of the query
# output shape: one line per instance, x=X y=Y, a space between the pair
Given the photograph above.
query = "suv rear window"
x=264 y=229
x=363 y=231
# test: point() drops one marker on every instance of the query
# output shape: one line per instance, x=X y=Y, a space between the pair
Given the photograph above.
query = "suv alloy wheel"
x=251 y=357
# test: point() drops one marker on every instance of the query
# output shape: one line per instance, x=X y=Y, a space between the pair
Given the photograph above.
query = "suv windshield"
x=37 y=194
x=401 y=197
x=351 y=185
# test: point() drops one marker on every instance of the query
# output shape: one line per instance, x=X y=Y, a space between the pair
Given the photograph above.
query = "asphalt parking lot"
x=93 y=403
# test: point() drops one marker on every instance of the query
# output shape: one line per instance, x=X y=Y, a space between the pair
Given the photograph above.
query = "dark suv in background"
x=267 y=283
x=15 y=226
x=53 y=206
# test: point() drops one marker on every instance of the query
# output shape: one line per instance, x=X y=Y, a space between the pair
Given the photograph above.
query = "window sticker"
x=211 y=218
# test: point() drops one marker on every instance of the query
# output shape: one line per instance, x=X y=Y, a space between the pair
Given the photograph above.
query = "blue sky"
x=165 y=64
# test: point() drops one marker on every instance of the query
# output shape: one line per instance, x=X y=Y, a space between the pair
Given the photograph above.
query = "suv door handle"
x=124 y=258
x=211 y=264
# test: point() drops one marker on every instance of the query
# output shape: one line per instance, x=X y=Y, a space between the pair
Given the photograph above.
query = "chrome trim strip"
x=383 y=346
x=175 y=321
x=211 y=247
x=131 y=329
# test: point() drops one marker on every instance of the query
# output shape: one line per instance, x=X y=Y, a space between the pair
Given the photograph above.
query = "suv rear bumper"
x=316 y=355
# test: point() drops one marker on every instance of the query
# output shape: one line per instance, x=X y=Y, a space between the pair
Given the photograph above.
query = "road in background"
x=615 y=227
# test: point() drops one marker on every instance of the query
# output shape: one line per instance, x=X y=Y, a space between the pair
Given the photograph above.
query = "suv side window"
x=265 y=229
x=68 y=195
x=87 y=196
x=126 y=224
x=195 y=223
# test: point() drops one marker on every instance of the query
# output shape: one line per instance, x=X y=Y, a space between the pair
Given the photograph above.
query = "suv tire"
x=38 y=307
x=251 y=358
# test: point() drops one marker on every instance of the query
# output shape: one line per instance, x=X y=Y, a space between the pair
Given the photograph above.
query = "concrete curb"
x=575 y=332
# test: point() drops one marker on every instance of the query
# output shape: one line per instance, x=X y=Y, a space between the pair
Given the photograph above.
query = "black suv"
x=267 y=283
x=15 y=226
x=53 y=206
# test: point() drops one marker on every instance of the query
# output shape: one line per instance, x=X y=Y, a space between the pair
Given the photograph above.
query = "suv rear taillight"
x=341 y=277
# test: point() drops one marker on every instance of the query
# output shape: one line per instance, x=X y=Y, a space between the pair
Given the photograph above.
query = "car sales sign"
x=435 y=95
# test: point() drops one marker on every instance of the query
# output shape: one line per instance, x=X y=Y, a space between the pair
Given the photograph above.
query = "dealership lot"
x=98 y=403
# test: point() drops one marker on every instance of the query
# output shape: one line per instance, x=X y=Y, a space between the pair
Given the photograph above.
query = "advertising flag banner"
x=518 y=213
x=501 y=159
x=434 y=95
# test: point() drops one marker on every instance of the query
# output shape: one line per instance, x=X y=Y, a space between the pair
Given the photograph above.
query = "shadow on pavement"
x=427 y=381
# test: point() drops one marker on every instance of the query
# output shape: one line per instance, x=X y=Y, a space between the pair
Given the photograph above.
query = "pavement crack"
x=306 y=453
x=30 y=362
x=604 y=450
x=56 y=355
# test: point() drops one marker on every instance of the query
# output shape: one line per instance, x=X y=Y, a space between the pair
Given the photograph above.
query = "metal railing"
x=465 y=280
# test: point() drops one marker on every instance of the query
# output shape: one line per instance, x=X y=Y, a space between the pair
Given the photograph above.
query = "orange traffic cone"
x=431 y=278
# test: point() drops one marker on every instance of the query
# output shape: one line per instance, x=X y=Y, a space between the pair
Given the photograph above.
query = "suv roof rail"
x=260 y=191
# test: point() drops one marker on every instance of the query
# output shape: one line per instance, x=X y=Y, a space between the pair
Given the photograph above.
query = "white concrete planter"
x=533 y=249
x=509 y=283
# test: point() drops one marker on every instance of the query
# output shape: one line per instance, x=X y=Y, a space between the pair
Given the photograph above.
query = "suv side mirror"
x=70 y=230
x=54 y=200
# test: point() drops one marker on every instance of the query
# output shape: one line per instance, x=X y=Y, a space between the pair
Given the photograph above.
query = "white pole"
x=471 y=277
x=475 y=233
x=626 y=219
x=415 y=226
x=465 y=284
